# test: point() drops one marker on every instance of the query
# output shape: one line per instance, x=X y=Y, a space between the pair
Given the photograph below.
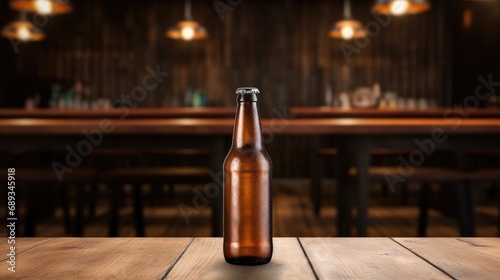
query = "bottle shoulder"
x=247 y=158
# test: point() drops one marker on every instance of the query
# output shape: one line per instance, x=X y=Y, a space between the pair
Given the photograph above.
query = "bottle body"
x=247 y=191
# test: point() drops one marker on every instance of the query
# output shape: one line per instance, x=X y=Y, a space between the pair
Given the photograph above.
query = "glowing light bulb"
x=23 y=33
x=347 y=32
x=187 y=33
x=399 y=7
x=44 y=7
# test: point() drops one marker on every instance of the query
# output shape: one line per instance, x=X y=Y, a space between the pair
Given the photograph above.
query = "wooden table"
x=294 y=258
x=357 y=137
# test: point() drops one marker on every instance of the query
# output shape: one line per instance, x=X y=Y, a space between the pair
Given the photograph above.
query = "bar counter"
x=335 y=112
x=122 y=112
x=198 y=126
x=294 y=258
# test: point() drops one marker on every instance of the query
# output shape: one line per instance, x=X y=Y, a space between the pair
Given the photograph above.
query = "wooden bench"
x=139 y=176
x=164 y=157
x=328 y=153
x=31 y=177
x=487 y=175
x=424 y=175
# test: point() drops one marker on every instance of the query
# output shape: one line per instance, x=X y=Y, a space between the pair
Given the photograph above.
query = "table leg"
x=425 y=192
x=31 y=208
x=114 y=211
x=343 y=190
x=218 y=154
x=362 y=165
x=466 y=210
x=138 y=210
x=80 y=208
x=65 y=207
x=317 y=166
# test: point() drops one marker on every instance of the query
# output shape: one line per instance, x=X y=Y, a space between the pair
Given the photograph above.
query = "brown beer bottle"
x=247 y=188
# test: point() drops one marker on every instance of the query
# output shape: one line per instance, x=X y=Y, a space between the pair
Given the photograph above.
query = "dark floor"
x=292 y=215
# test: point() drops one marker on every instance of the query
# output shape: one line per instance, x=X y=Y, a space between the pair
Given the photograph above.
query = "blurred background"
x=77 y=61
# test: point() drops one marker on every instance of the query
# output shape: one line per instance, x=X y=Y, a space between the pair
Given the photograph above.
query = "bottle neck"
x=247 y=130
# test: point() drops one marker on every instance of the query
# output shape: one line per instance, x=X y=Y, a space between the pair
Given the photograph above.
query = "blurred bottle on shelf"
x=54 y=96
x=345 y=100
x=86 y=98
x=423 y=103
x=77 y=105
x=199 y=99
x=69 y=99
x=329 y=96
x=188 y=97
x=194 y=98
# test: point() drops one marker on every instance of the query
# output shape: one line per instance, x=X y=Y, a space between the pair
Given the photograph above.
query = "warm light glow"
x=23 y=33
x=44 y=7
x=399 y=7
x=187 y=33
x=347 y=32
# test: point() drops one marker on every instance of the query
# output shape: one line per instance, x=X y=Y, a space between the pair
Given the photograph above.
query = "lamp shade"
x=187 y=30
x=347 y=29
x=43 y=7
x=22 y=30
x=401 y=7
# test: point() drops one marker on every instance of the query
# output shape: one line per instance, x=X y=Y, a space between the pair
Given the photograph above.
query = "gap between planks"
x=164 y=274
x=33 y=246
x=308 y=260
x=424 y=259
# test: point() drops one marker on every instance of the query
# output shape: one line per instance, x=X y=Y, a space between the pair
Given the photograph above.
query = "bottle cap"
x=247 y=90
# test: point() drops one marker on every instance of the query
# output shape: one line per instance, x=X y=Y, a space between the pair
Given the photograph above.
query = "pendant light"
x=42 y=7
x=401 y=7
x=22 y=30
x=188 y=29
x=347 y=28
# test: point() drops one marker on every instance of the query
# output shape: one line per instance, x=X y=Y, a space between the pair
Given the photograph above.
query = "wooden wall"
x=279 y=46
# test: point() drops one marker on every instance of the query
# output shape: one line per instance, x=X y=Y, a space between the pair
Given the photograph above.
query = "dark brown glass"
x=247 y=189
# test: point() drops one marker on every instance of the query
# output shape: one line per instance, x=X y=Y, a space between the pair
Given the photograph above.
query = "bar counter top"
x=224 y=126
x=122 y=112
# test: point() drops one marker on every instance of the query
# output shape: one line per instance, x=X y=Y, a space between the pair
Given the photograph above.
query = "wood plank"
x=22 y=245
x=204 y=259
x=93 y=258
x=365 y=258
x=462 y=258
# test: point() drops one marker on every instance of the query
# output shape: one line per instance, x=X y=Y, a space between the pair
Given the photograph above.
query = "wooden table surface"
x=294 y=258
x=190 y=126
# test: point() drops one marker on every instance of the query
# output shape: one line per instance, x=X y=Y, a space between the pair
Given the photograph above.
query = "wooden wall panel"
x=279 y=46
